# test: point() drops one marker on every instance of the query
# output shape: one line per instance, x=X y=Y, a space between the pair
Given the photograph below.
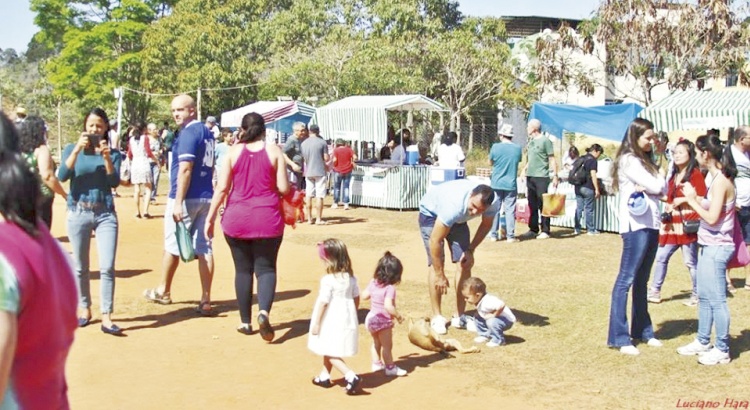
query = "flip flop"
x=204 y=312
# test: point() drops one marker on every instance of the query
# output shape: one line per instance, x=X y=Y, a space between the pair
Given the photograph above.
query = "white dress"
x=338 y=336
x=140 y=168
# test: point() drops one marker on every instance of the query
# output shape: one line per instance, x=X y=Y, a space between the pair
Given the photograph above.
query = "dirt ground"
x=172 y=358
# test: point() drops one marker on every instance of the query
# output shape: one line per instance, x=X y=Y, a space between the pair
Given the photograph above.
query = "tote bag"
x=553 y=205
x=741 y=255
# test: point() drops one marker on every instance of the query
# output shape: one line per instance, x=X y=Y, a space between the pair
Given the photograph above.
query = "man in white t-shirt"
x=211 y=124
x=741 y=154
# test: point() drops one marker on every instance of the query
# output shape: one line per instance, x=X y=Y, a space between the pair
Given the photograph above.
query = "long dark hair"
x=691 y=164
x=140 y=128
x=20 y=196
x=253 y=127
x=716 y=149
x=31 y=132
x=629 y=145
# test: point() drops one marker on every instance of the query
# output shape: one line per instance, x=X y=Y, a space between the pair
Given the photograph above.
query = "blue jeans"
x=341 y=183
x=154 y=179
x=508 y=199
x=712 y=294
x=689 y=256
x=638 y=253
x=492 y=328
x=585 y=198
x=80 y=225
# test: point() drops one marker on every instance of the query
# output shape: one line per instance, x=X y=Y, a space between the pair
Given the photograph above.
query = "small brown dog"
x=422 y=336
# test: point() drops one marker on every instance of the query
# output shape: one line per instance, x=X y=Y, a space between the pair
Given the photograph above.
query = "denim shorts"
x=195 y=211
x=744 y=215
x=458 y=237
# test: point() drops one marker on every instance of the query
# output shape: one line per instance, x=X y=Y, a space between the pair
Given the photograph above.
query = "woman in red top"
x=671 y=233
x=343 y=164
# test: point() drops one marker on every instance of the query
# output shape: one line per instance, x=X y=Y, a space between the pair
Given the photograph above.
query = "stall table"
x=389 y=186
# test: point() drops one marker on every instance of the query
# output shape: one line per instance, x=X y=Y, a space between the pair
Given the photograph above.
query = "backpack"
x=577 y=174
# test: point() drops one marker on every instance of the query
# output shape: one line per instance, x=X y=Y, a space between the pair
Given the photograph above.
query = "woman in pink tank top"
x=716 y=249
x=252 y=178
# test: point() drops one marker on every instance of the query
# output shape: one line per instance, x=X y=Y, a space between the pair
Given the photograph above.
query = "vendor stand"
x=389 y=186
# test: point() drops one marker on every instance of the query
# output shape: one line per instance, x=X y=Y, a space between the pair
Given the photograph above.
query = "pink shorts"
x=377 y=322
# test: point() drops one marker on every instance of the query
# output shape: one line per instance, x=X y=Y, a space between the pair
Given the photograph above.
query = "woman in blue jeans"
x=641 y=184
x=717 y=248
x=93 y=170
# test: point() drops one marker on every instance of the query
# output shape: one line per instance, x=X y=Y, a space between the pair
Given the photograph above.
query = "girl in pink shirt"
x=382 y=293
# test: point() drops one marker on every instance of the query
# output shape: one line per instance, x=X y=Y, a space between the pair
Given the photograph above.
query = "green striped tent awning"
x=700 y=110
x=364 y=117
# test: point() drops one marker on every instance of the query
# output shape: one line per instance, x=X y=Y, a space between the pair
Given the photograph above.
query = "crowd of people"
x=242 y=179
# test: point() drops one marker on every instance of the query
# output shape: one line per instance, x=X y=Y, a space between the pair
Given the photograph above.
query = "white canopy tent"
x=365 y=117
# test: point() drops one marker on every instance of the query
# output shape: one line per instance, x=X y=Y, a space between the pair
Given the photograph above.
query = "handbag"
x=741 y=255
x=125 y=171
x=689 y=225
x=185 y=242
x=553 y=205
x=293 y=206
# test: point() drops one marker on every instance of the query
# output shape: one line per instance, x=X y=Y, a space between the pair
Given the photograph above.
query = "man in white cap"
x=211 y=124
x=504 y=159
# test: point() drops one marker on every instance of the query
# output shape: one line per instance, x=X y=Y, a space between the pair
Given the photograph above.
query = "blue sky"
x=17 y=21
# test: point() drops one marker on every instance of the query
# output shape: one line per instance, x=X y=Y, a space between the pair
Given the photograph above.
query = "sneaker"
x=577 y=232
x=693 y=301
x=529 y=235
x=481 y=339
x=346 y=207
x=459 y=322
x=512 y=240
x=731 y=289
x=438 y=324
x=493 y=239
x=654 y=342
x=654 y=296
x=494 y=344
x=395 y=371
x=630 y=350
x=592 y=233
x=543 y=235
x=714 y=356
x=377 y=366
x=694 y=348
x=334 y=205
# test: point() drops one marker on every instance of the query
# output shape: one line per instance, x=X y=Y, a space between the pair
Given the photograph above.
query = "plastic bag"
x=293 y=206
x=553 y=205
x=125 y=171
x=185 y=242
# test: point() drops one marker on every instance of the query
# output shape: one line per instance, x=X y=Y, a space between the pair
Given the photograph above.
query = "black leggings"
x=258 y=256
x=46 y=211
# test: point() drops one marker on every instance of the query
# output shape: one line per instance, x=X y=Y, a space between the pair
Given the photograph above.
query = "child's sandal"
x=322 y=383
x=351 y=386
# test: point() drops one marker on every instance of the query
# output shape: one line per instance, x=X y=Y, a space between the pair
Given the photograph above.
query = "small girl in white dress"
x=333 y=327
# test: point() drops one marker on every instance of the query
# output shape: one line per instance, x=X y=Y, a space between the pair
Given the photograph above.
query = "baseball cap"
x=211 y=119
x=637 y=204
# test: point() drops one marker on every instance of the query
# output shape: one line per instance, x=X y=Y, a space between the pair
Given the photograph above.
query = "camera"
x=666 y=217
x=93 y=144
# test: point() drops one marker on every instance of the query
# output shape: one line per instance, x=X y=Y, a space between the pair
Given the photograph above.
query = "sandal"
x=154 y=296
x=201 y=309
x=351 y=386
x=322 y=383
x=266 y=331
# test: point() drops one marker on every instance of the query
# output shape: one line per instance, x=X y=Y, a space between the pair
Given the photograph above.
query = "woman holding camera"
x=717 y=248
x=679 y=223
x=93 y=170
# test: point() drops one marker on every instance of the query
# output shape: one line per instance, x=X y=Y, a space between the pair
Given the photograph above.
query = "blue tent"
x=604 y=121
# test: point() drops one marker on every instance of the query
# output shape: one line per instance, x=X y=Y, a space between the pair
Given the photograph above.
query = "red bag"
x=523 y=212
x=293 y=206
x=741 y=255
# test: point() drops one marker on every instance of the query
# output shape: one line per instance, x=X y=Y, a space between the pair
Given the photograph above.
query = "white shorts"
x=315 y=187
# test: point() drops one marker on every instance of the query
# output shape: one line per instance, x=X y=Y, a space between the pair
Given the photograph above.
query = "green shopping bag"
x=185 y=242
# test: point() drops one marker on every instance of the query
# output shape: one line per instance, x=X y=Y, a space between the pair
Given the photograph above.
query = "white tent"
x=365 y=117
x=279 y=115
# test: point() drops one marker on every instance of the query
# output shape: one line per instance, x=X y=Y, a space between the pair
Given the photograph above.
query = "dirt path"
x=174 y=359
